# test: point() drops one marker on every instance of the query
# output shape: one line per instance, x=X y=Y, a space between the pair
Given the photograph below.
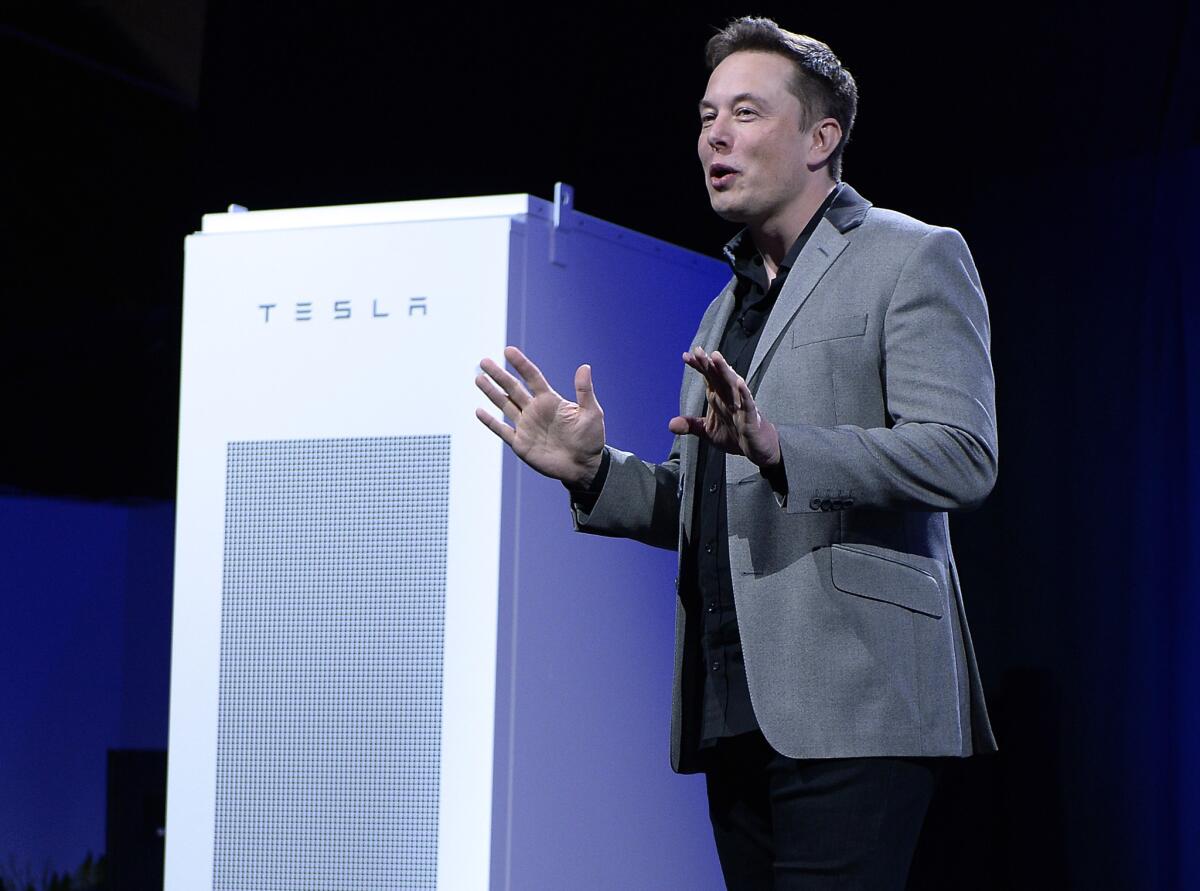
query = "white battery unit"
x=394 y=666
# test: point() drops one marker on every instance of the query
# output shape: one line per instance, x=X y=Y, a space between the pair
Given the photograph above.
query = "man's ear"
x=827 y=136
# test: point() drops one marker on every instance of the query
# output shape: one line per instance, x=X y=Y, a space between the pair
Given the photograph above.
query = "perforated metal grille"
x=332 y=613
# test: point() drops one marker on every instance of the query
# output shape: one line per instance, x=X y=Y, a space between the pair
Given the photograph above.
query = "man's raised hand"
x=732 y=421
x=554 y=436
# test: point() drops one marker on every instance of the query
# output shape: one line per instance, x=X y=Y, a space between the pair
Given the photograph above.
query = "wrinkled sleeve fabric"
x=637 y=500
x=938 y=448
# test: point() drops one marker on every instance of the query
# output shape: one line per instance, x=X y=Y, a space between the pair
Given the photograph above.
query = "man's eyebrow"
x=740 y=97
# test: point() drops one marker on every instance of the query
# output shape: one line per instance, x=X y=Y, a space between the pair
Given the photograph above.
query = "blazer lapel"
x=692 y=401
x=709 y=337
x=825 y=245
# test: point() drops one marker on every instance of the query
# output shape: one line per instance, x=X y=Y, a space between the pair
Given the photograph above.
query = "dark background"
x=1061 y=139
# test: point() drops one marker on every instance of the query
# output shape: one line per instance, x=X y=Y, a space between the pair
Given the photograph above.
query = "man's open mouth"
x=721 y=175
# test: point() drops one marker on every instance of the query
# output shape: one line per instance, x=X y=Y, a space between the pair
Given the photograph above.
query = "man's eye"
x=745 y=112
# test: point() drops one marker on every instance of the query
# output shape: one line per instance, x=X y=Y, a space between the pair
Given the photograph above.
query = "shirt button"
x=712 y=607
x=716 y=666
x=708 y=548
x=712 y=490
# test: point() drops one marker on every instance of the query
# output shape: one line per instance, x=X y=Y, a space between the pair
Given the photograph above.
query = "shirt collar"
x=844 y=208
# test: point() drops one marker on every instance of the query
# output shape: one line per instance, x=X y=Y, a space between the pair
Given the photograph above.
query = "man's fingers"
x=732 y=386
x=706 y=360
x=745 y=397
x=727 y=390
x=718 y=381
x=585 y=393
x=498 y=397
x=698 y=360
x=725 y=371
x=496 y=426
x=514 y=388
x=530 y=373
x=716 y=391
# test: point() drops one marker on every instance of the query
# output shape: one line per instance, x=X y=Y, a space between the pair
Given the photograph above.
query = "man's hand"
x=560 y=439
x=732 y=422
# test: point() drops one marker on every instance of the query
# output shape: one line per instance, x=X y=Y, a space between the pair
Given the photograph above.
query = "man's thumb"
x=584 y=394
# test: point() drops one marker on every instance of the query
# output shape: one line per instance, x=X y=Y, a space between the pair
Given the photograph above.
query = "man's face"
x=751 y=146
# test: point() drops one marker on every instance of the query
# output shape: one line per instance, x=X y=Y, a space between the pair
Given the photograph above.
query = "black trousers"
x=842 y=823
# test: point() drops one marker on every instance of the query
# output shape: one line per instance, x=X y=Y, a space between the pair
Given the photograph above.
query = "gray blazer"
x=874 y=364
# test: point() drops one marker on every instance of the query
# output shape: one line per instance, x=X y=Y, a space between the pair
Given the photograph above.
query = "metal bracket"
x=564 y=210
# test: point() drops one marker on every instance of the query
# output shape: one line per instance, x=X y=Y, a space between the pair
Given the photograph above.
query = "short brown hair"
x=823 y=86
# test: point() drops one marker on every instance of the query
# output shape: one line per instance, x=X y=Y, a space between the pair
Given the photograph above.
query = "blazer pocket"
x=830 y=329
x=882 y=574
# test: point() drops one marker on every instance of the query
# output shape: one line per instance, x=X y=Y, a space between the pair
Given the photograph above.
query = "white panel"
x=364 y=214
x=362 y=331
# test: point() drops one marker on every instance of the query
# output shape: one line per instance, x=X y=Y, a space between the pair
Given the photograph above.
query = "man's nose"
x=718 y=133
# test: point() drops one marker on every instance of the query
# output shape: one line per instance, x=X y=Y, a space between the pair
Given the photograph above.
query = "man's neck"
x=775 y=237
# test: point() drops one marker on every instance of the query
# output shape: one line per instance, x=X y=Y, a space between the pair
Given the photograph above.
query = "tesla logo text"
x=339 y=310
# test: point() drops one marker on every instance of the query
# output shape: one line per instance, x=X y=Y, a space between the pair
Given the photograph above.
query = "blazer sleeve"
x=938 y=450
x=639 y=500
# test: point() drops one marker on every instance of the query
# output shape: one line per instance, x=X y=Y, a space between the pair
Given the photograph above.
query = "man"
x=837 y=401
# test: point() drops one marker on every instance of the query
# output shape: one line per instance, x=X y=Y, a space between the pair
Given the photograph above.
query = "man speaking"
x=837 y=402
